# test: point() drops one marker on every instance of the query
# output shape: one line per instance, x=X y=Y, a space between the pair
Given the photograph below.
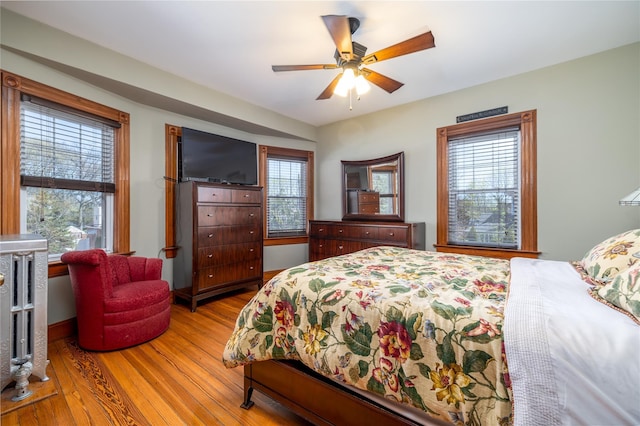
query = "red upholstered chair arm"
x=145 y=268
x=85 y=257
x=90 y=274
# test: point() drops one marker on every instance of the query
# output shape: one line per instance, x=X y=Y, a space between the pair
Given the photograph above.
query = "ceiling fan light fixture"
x=346 y=83
x=362 y=86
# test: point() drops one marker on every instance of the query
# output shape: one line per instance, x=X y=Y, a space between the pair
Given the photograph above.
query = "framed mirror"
x=373 y=189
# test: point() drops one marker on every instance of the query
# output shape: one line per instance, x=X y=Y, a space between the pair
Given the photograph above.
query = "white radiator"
x=23 y=311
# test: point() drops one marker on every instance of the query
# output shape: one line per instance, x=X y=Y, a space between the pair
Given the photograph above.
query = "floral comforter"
x=421 y=328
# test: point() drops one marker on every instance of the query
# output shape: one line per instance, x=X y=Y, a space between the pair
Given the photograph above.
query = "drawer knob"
x=210 y=236
x=250 y=250
x=320 y=245
x=1 y=279
x=210 y=214
x=367 y=233
x=251 y=268
x=340 y=247
x=251 y=215
x=320 y=229
x=246 y=195
x=391 y=234
x=251 y=232
x=340 y=231
x=210 y=256
x=210 y=275
x=213 y=194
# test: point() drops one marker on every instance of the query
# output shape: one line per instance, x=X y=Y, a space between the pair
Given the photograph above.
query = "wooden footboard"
x=316 y=398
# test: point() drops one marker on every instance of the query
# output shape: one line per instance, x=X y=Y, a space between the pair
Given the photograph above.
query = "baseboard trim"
x=62 y=329
x=267 y=275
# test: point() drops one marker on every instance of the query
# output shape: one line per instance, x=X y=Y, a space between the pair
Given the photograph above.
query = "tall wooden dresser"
x=333 y=238
x=219 y=232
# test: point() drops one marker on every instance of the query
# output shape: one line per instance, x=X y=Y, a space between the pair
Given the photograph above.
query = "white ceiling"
x=230 y=46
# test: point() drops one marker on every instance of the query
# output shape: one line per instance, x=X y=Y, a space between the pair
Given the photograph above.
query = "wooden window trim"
x=264 y=152
x=171 y=135
x=527 y=122
x=13 y=86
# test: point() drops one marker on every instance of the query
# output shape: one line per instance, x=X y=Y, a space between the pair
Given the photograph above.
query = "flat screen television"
x=208 y=157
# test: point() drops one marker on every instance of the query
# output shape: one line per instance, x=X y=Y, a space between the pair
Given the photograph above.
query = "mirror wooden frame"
x=358 y=200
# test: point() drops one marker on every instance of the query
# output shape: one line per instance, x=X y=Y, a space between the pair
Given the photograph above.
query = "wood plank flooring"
x=176 y=379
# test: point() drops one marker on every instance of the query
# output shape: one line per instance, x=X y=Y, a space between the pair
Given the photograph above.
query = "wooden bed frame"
x=316 y=398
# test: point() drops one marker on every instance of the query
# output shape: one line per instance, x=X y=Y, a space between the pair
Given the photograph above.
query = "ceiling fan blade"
x=340 y=31
x=415 y=44
x=326 y=94
x=384 y=82
x=277 y=68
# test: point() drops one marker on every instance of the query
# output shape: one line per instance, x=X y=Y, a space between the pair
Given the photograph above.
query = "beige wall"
x=588 y=147
x=588 y=139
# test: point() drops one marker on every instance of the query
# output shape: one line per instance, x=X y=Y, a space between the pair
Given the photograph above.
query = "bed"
x=397 y=336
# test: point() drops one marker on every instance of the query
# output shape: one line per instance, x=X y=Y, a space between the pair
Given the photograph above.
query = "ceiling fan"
x=351 y=57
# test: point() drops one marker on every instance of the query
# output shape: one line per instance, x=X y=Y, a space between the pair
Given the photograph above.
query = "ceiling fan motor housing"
x=358 y=52
x=354 y=24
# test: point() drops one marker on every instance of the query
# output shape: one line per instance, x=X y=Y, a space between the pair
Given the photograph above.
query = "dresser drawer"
x=220 y=276
x=229 y=253
x=327 y=230
x=217 y=235
x=246 y=196
x=229 y=215
x=208 y=194
x=369 y=208
x=364 y=232
x=368 y=197
x=393 y=234
x=318 y=230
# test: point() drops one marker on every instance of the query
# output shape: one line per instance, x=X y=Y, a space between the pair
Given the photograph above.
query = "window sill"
x=57 y=269
x=285 y=240
x=486 y=251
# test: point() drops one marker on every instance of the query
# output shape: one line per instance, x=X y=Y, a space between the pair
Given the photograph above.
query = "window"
x=287 y=178
x=383 y=180
x=487 y=188
x=65 y=169
x=67 y=177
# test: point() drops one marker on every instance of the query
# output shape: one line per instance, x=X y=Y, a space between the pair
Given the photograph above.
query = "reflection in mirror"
x=374 y=189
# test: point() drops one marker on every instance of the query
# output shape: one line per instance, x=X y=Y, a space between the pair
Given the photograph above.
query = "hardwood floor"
x=175 y=379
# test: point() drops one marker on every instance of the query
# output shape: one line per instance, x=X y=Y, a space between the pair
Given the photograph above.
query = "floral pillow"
x=606 y=260
x=623 y=292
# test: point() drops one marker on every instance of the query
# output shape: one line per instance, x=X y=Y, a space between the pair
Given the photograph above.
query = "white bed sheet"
x=572 y=360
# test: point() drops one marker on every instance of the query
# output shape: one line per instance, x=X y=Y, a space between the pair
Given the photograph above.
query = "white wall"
x=588 y=147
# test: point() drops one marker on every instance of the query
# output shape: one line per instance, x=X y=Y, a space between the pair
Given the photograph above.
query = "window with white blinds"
x=67 y=176
x=286 y=190
x=63 y=149
x=484 y=187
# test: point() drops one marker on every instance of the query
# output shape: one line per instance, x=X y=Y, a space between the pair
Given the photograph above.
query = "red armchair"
x=121 y=301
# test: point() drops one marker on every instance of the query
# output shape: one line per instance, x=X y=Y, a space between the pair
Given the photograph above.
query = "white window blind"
x=286 y=197
x=63 y=149
x=484 y=189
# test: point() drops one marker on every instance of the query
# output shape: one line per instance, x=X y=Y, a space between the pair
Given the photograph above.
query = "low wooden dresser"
x=333 y=238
